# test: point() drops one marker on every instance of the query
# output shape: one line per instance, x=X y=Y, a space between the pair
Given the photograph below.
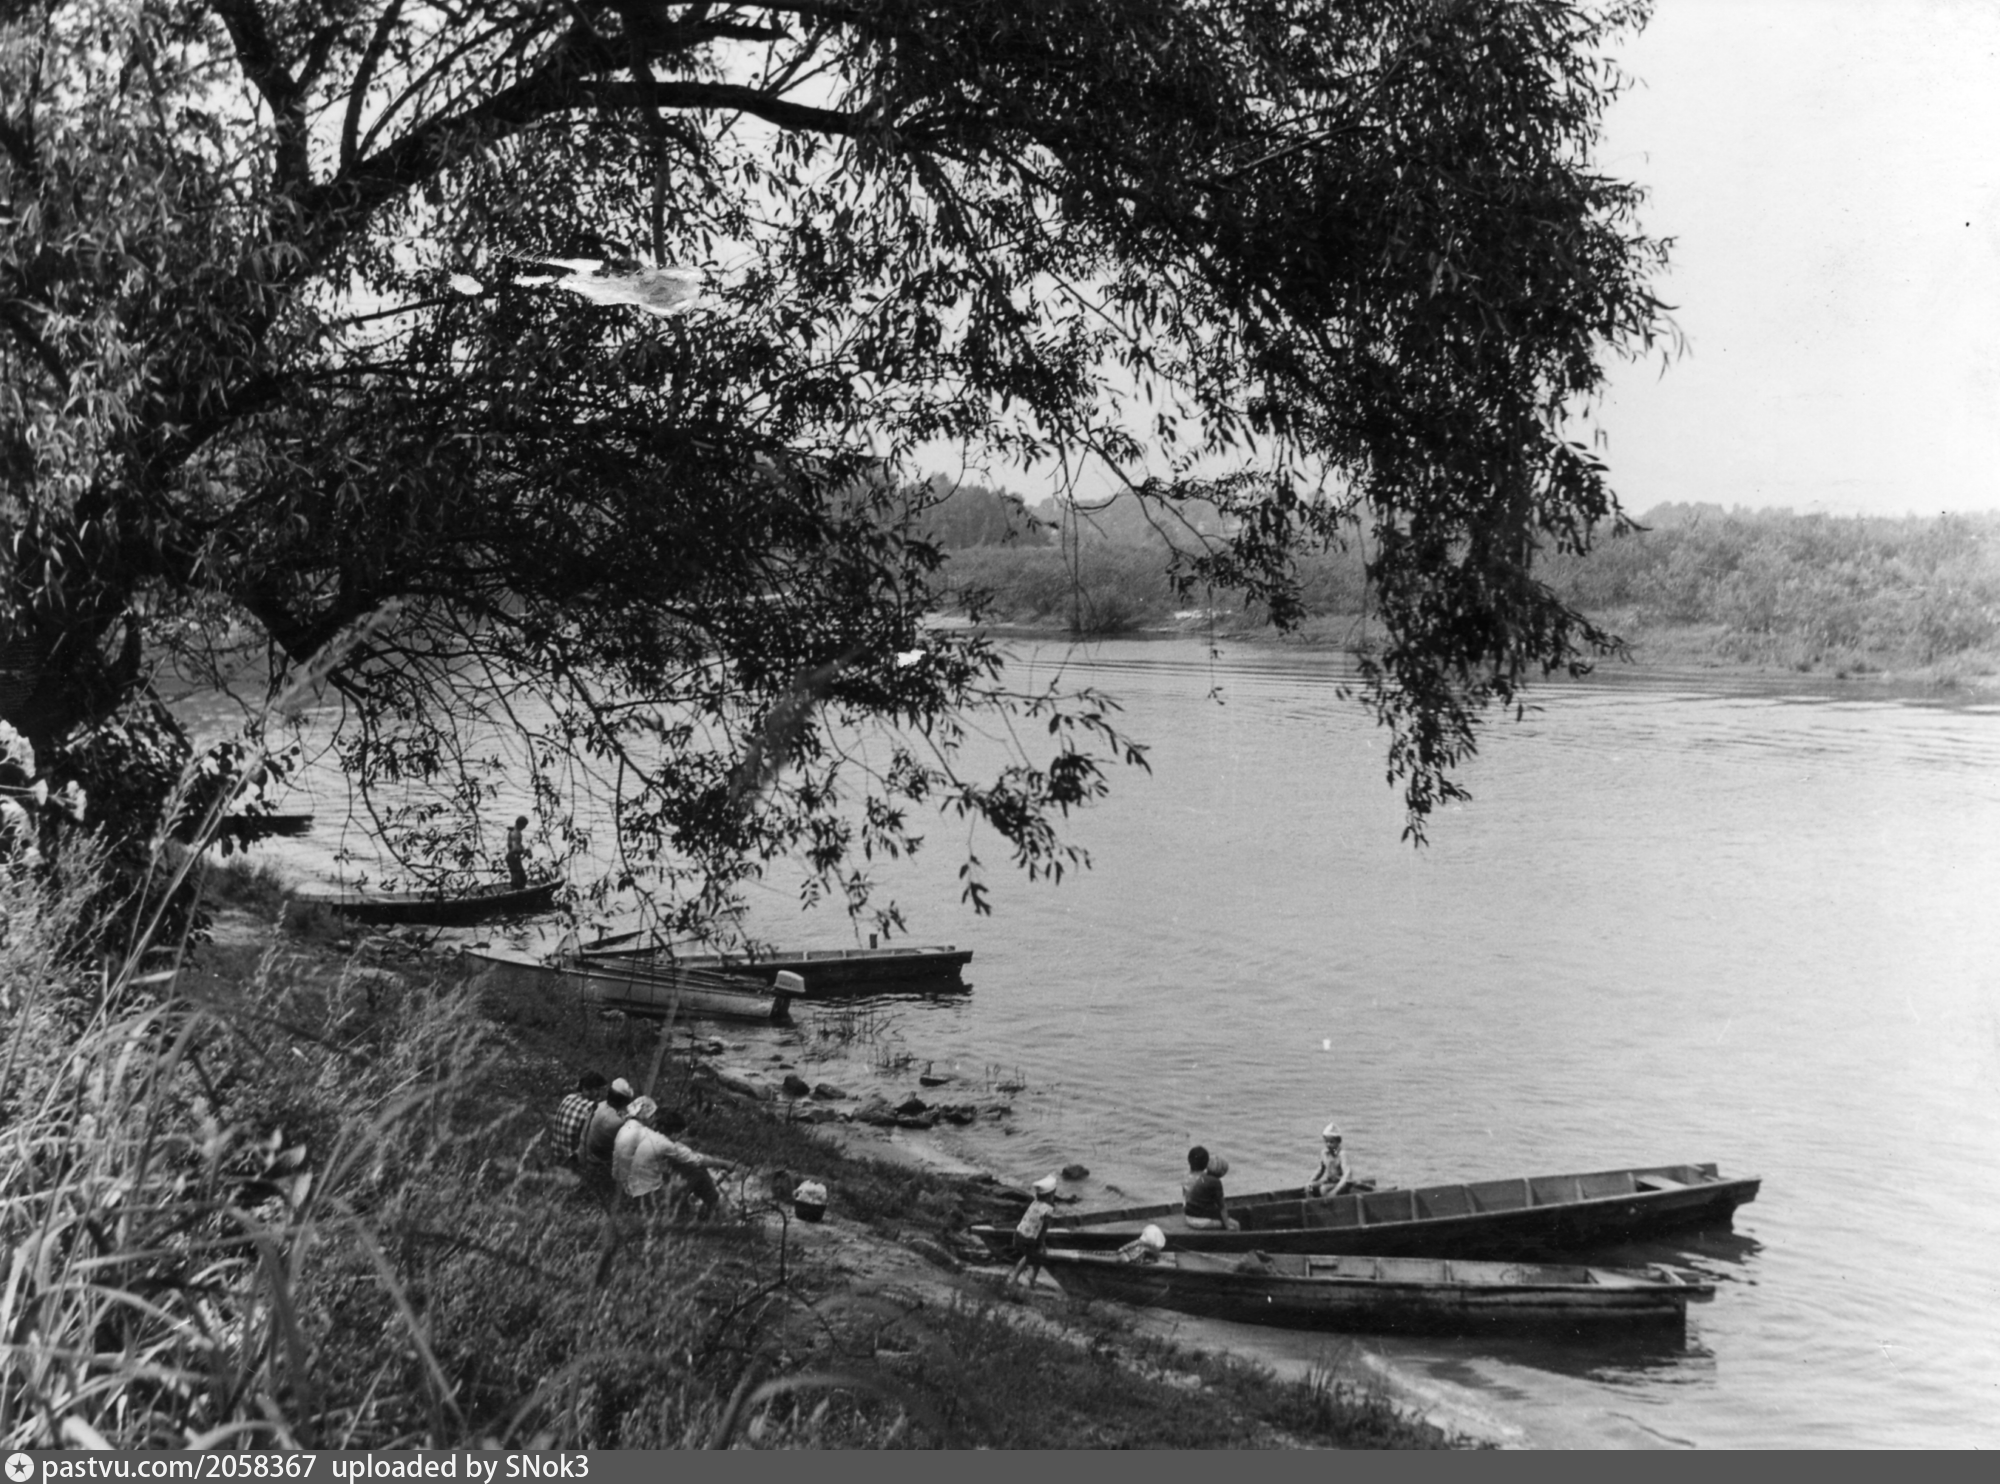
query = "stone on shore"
x=875 y=1110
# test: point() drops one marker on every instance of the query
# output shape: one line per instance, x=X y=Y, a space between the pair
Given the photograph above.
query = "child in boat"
x=1202 y=1204
x=1146 y=1247
x=1333 y=1176
x=1031 y=1236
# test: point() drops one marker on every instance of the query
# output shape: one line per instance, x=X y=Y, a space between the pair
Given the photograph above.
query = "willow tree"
x=283 y=356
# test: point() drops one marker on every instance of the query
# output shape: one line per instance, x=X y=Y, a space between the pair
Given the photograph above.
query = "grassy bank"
x=294 y=1190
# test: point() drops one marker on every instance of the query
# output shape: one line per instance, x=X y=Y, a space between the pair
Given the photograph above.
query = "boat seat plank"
x=1657 y=1182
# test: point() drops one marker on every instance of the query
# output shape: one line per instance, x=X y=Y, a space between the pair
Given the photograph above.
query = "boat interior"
x=1294 y=1210
x=1436 y=1202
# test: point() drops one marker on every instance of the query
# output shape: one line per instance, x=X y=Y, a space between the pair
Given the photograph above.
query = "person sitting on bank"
x=517 y=853
x=600 y=1135
x=573 y=1115
x=642 y=1158
x=1333 y=1176
x=1031 y=1236
x=1202 y=1204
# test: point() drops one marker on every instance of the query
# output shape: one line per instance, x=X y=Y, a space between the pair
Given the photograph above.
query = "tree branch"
x=364 y=74
x=688 y=95
x=266 y=72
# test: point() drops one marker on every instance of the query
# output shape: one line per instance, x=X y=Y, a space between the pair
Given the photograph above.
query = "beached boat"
x=1522 y=1218
x=438 y=909
x=697 y=993
x=826 y=971
x=1411 y=1294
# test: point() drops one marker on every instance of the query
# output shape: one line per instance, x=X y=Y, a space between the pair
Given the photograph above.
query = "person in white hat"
x=1146 y=1247
x=1333 y=1176
x=1031 y=1237
x=643 y=1158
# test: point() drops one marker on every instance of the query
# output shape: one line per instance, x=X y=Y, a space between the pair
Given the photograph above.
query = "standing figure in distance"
x=517 y=853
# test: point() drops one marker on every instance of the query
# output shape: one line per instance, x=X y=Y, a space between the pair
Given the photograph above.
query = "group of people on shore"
x=618 y=1141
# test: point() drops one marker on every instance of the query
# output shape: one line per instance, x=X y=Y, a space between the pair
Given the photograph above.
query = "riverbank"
x=422 y=1271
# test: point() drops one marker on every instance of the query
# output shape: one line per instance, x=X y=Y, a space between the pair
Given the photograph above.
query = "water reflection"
x=1715 y=1253
x=1643 y=1355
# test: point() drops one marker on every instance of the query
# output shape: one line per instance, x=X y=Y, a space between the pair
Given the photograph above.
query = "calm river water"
x=1680 y=920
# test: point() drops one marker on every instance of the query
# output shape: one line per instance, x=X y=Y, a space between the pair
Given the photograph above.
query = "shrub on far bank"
x=1808 y=592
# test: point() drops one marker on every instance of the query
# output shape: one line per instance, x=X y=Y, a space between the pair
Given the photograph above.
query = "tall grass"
x=245 y=1223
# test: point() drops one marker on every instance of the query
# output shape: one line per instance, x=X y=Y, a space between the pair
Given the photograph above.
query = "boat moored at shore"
x=698 y=993
x=1514 y=1218
x=437 y=908
x=826 y=971
x=1383 y=1294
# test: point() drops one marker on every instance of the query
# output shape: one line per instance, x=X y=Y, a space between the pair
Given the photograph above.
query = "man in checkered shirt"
x=573 y=1114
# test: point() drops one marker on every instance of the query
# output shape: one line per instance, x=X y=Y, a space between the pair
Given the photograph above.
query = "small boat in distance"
x=699 y=993
x=437 y=909
x=826 y=971
x=1520 y=1218
x=240 y=831
x=1393 y=1294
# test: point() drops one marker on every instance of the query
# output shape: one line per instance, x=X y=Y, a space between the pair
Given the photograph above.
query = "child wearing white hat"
x=1031 y=1236
x=1332 y=1177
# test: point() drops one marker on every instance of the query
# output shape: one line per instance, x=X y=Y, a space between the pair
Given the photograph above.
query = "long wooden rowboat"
x=826 y=971
x=696 y=993
x=1523 y=1218
x=438 y=909
x=1418 y=1294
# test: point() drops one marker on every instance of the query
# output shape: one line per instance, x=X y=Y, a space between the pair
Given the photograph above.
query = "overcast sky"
x=1830 y=170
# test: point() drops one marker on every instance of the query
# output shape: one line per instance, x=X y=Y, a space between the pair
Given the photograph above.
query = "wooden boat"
x=1523 y=1218
x=1413 y=1294
x=826 y=971
x=696 y=993
x=239 y=831
x=438 y=909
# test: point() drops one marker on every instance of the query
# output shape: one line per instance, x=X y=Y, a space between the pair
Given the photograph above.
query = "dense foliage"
x=282 y=360
x=1812 y=591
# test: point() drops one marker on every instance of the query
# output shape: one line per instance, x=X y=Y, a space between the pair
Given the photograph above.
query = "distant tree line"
x=1773 y=585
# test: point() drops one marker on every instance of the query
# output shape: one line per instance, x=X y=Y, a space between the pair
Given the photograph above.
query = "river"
x=1681 y=919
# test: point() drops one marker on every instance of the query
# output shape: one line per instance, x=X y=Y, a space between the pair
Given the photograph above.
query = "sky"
x=1830 y=171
